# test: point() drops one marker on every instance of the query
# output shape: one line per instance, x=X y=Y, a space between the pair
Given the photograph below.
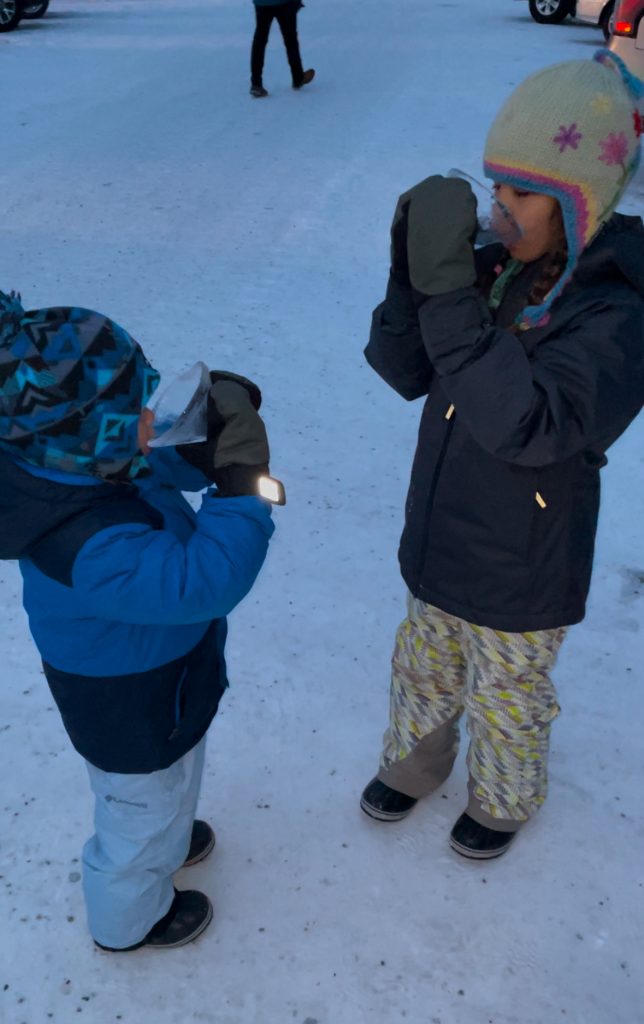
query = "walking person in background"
x=285 y=12
x=532 y=361
x=127 y=590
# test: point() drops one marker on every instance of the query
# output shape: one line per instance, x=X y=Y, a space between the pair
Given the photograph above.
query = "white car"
x=596 y=12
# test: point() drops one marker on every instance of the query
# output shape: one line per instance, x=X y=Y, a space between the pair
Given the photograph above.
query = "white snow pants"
x=143 y=827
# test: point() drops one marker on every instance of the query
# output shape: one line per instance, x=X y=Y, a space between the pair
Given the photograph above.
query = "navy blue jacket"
x=127 y=589
x=502 y=507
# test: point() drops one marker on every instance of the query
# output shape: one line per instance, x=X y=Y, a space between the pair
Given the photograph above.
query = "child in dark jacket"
x=127 y=592
x=532 y=361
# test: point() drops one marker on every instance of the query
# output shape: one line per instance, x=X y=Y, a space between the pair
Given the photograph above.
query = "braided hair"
x=553 y=268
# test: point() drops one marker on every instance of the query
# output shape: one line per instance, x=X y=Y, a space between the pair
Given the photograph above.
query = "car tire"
x=10 y=14
x=550 y=12
x=604 y=21
x=33 y=10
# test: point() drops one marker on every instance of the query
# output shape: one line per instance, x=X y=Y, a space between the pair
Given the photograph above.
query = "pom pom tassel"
x=634 y=84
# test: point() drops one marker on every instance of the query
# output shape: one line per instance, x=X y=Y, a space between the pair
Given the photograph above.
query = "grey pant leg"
x=428 y=765
x=427 y=692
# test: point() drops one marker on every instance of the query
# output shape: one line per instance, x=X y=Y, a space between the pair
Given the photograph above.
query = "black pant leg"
x=286 y=15
x=263 y=17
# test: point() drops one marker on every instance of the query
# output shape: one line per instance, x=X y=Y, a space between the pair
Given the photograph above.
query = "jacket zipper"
x=449 y=417
x=177 y=704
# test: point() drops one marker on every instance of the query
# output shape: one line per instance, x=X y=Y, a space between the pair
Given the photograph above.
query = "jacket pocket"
x=487 y=507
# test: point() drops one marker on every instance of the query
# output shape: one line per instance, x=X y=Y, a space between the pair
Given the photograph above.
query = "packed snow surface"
x=139 y=178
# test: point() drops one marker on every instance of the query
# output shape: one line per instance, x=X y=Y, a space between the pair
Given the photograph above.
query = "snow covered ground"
x=139 y=178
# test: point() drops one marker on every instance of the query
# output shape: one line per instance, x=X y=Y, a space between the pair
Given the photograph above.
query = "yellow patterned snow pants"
x=443 y=666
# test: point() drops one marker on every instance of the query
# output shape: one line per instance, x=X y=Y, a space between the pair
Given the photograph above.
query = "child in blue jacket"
x=127 y=592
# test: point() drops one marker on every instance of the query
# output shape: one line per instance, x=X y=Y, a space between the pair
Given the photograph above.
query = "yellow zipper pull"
x=540 y=502
x=449 y=413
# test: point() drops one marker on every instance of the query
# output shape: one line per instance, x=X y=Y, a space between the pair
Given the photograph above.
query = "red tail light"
x=626 y=17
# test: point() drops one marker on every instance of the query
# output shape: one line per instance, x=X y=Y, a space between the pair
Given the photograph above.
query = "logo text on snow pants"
x=115 y=800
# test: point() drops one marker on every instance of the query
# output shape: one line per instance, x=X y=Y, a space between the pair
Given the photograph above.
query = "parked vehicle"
x=35 y=10
x=596 y=12
x=10 y=14
x=551 y=12
x=627 y=39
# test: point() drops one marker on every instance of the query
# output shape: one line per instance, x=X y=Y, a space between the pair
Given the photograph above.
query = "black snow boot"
x=189 y=915
x=384 y=803
x=202 y=842
x=478 y=842
x=258 y=91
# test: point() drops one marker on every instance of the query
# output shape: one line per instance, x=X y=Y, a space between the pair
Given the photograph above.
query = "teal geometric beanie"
x=72 y=387
x=571 y=131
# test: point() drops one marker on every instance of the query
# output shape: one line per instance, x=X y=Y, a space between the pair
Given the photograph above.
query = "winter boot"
x=384 y=803
x=201 y=843
x=307 y=77
x=478 y=842
x=189 y=915
x=258 y=91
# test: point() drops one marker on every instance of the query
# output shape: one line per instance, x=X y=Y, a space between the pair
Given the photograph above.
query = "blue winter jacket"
x=127 y=589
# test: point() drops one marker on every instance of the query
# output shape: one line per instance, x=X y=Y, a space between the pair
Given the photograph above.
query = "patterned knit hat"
x=72 y=386
x=570 y=131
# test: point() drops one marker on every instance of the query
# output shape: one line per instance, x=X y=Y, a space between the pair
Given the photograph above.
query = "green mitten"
x=242 y=438
x=202 y=454
x=441 y=225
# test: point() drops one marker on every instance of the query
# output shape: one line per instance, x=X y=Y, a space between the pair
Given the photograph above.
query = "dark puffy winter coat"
x=502 y=507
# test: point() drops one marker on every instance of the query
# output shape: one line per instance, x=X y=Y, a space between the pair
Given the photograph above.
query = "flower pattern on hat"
x=567 y=137
x=601 y=104
x=615 y=149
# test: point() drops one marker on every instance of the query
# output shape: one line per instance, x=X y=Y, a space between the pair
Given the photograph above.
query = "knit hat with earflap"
x=571 y=131
x=72 y=387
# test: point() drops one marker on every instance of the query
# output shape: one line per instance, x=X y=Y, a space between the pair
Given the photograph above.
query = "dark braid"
x=552 y=269
x=549 y=275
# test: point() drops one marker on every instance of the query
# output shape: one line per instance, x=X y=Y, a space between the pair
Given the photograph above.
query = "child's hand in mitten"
x=251 y=387
x=201 y=454
x=441 y=225
x=241 y=452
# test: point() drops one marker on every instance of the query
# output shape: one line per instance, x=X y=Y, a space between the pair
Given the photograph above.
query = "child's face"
x=539 y=218
x=146 y=430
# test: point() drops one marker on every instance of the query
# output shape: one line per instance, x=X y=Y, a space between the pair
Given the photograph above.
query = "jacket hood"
x=32 y=507
x=617 y=253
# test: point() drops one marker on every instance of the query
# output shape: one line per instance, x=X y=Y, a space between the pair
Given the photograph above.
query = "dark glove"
x=440 y=228
x=237 y=436
x=251 y=387
x=242 y=437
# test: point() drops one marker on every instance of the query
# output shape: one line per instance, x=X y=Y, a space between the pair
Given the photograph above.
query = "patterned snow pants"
x=443 y=666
